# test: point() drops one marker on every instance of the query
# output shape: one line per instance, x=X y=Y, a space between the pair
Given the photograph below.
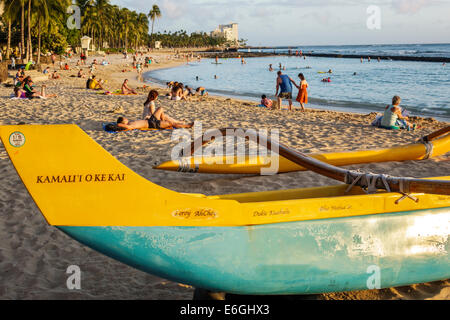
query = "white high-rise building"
x=228 y=31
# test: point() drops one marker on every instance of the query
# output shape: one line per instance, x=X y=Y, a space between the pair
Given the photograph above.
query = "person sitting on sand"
x=55 y=75
x=66 y=67
x=393 y=113
x=201 y=91
x=18 y=81
x=177 y=93
x=46 y=71
x=150 y=111
x=80 y=74
x=188 y=92
x=266 y=102
x=126 y=89
x=31 y=93
x=19 y=92
x=95 y=85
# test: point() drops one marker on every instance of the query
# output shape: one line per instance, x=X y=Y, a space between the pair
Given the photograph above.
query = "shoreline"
x=255 y=100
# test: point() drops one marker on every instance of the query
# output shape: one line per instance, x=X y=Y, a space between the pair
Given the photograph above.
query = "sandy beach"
x=34 y=257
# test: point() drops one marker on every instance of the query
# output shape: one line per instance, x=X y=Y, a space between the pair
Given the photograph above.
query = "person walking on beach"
x=302 y=96
x=284 y=86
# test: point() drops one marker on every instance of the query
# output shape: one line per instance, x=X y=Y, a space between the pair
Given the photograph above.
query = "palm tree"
x=17 y=8
x=154 y=14
x=8 y=16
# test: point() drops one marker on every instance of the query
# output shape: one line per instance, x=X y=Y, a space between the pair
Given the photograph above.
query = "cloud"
x=410 y=6
x=173 y=10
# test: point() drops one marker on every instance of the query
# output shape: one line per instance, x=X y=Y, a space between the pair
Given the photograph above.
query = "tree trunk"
x=151 y=36
x=39 y=42
x=126 y=41
x=22 y=31
x=29 y=49
x=8 y=46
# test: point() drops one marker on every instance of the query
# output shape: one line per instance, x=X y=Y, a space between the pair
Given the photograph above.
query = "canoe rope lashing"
x=429 y=148
x=368 y=181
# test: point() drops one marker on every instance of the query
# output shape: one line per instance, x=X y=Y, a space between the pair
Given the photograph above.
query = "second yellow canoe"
x=255 y=164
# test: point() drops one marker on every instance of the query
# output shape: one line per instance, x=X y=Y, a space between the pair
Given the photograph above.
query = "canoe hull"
x=306 y=257
x=255 y=164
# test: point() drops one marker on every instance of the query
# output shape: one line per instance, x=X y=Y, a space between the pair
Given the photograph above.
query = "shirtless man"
x=151 y=123
x=126 y=89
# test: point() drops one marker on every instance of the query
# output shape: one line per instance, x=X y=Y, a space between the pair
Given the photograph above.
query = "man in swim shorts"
x=284 y=86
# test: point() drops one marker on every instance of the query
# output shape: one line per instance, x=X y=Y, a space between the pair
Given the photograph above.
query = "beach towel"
x=116 y=93
x=400 y=124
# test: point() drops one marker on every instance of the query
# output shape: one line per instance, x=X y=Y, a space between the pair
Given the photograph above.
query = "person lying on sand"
x=150 y=111
x=151 y=123
x=126 y=89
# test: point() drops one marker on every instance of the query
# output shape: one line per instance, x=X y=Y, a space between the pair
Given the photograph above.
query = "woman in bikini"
x=177 y=93
x=152 y=113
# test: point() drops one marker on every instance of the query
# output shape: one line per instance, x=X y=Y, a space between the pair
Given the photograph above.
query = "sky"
x=308 y=22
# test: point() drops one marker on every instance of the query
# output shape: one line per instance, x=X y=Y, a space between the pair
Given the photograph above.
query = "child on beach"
x=265 y=102
x=302 y=96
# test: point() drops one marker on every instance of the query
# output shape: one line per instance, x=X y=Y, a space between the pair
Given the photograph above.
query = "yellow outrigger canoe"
x=302 y=241
x=255 y=164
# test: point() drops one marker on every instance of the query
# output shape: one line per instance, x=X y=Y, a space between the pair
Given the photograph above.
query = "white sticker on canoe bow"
x=17 y=139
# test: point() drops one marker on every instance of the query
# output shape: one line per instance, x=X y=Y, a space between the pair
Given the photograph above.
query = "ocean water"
x=423 y=86
x=388 y=50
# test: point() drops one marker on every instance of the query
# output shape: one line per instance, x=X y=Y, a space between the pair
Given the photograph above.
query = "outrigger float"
x=232 y=164
x=302 y=241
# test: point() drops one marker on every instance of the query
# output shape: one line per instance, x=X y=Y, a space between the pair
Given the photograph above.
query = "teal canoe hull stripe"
x=306 y=257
